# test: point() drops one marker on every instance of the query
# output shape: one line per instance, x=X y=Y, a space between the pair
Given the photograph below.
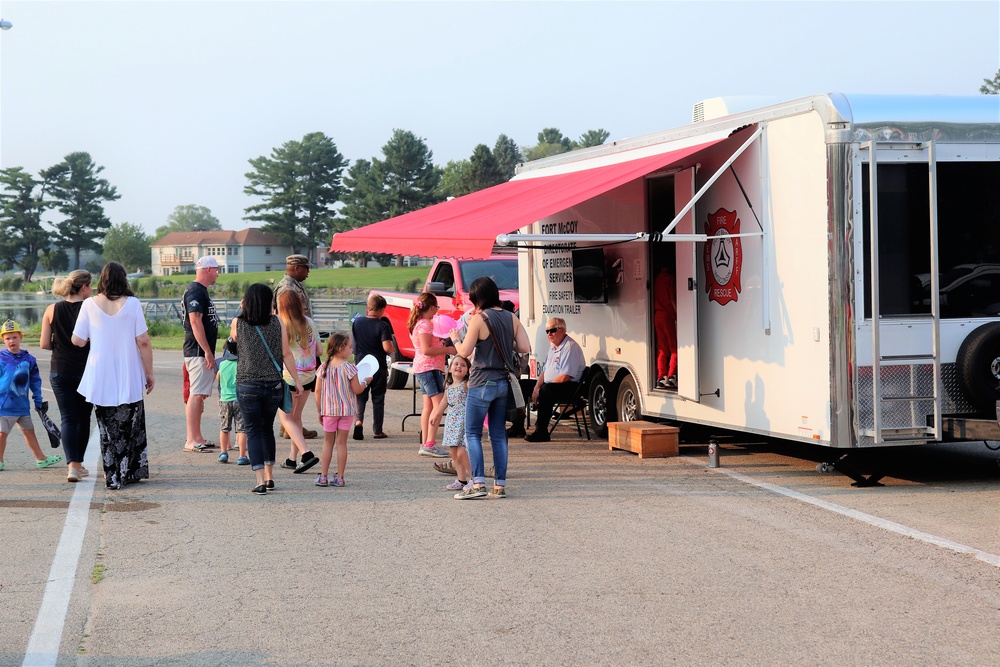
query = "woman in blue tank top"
x=488 y=383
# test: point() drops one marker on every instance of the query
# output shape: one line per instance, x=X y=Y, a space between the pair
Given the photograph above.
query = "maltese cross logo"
x=723 y=257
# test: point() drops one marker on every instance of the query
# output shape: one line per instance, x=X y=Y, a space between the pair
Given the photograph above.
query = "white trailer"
x=837 y=267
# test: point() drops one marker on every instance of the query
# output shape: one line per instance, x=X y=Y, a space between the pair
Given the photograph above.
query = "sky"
x=173 y=98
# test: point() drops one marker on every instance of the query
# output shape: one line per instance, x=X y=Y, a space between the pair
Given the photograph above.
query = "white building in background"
x=247 y=250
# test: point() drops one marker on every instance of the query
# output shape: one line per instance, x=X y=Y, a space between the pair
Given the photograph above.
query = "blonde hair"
x=420 y=306
x=72 y=283
x=290 y=312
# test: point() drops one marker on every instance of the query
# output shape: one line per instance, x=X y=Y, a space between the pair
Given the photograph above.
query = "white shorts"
x=202 y=379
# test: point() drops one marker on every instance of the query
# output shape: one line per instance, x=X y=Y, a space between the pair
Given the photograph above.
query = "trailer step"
x=905 y=399
x=898 y=435
x=907 y=357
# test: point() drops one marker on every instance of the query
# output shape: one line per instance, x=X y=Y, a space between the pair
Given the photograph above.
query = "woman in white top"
x=119 y=367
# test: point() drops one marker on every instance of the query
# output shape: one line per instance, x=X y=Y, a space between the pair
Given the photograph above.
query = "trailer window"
x=968 y=239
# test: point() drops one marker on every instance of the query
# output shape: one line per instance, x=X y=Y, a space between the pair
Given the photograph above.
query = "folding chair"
x=576 y=407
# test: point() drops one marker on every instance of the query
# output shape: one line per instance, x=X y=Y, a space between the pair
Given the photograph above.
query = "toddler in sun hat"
x=19 y=375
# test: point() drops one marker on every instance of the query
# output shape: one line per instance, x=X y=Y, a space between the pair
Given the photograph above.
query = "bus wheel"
x=628 y=400
x=978 y=365
x=601 y=406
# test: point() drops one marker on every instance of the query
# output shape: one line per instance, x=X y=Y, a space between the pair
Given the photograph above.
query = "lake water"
x=26 y=309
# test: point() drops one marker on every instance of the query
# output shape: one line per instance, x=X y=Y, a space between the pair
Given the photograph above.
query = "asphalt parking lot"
x=597 y=558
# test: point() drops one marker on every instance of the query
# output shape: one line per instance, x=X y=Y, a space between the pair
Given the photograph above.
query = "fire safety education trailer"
x=836 y=261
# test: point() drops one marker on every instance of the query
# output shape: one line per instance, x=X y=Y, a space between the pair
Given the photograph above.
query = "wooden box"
x=643 y=438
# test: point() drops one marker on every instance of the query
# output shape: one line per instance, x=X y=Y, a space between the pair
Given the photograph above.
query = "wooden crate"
x=643 y=438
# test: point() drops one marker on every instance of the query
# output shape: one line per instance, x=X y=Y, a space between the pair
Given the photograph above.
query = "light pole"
x=5 y=25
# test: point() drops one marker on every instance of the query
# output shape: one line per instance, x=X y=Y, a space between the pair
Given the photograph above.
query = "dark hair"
x=113 y=284
x=257 y=305
x=483 y=293
x=231 y=347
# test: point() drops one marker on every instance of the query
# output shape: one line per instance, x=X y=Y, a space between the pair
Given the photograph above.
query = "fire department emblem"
x=723 y=257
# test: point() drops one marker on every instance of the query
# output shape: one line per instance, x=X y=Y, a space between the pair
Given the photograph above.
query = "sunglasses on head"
x=552 y=330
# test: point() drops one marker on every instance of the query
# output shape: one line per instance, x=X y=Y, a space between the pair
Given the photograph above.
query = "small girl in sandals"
x=455 y=393
x=336 y=397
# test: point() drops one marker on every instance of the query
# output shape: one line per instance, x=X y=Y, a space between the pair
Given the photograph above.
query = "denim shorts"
x=431 y=382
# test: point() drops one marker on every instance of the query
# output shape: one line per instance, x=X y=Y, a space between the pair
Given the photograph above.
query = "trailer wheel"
x=628 y=400
x=397 y=379
x=978 y=364
x=601 y=405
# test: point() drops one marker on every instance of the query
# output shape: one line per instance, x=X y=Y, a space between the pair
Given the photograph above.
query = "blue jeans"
x=490 y=401
x=75 y=412
x=259 y=403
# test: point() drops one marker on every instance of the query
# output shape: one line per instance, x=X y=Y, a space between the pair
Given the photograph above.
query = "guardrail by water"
x=329 y=314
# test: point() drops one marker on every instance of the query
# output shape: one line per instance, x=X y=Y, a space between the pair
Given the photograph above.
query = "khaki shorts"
x=24 y=421
x=202 y=379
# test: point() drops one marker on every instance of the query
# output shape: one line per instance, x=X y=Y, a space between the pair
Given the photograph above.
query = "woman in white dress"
x=119 y=367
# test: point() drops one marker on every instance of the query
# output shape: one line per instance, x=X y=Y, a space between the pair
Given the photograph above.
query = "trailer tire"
x=978 y=365
x=628 y=406
x=397 y=379
x=601 y=405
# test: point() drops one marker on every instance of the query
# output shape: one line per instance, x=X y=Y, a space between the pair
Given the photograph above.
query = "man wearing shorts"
x=201 y=329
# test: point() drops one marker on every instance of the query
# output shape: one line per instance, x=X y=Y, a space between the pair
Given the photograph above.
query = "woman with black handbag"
x=494 y=335
x=260 y=388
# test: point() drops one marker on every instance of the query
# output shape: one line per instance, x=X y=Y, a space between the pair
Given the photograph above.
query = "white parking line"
x=43 y=647
x=884 y=524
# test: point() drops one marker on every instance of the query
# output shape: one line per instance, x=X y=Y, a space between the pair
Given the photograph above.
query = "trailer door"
x=687 y=291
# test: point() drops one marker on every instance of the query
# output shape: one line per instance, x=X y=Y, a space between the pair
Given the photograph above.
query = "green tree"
x=455 y=178
x=188 y=218
x=508 y=155
x=54 y=260
x=592 y=138
x=550 y=142
x=128 y=245
x=991 y=86
x=407 y=175
x=80 y=194
x=363 y=204
x=22 y=204
x=300 y=184
x=407 y=178
x=484 y=170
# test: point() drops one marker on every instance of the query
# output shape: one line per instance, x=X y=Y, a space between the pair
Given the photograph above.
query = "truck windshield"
x=502 y=271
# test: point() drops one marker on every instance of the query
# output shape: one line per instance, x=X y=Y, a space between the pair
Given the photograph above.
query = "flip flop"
x=200 y=448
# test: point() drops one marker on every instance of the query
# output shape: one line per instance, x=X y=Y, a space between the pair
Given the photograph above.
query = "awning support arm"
x=694 y=200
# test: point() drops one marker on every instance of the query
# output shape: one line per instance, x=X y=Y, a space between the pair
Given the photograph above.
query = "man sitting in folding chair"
x=560 y=378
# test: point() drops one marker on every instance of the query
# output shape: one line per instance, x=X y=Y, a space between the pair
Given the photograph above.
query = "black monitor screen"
x=589 y=285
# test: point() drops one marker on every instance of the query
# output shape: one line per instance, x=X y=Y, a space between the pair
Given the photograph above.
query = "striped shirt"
x=339 y=400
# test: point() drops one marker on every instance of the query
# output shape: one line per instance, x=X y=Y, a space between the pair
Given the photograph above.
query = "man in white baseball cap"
x=201 y=329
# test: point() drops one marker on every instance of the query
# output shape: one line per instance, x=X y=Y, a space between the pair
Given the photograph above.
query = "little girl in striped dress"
x=336 y=398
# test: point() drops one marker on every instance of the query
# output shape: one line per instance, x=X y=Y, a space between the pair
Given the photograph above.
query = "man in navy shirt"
x=201 y=329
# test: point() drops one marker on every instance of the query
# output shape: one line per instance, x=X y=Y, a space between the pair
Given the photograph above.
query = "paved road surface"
x=597 y=558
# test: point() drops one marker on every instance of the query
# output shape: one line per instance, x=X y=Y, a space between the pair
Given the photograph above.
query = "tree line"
x=304 y=191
